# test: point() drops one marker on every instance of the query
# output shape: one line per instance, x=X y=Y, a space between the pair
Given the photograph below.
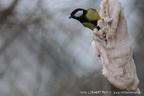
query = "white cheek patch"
x=79 y=13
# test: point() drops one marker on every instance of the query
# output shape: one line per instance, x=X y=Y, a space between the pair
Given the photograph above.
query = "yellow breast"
x=89 y=25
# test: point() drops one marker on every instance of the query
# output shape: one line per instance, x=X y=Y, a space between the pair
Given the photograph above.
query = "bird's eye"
x=79 y=13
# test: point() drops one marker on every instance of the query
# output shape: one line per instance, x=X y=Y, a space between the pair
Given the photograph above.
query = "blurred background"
x=43 y=53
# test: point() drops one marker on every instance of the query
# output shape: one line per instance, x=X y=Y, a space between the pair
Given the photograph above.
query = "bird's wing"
x=92 y=14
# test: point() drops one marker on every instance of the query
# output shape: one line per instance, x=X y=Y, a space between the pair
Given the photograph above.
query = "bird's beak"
x=70 y=17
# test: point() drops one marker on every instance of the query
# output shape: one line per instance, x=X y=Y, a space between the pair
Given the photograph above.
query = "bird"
x=87 y=17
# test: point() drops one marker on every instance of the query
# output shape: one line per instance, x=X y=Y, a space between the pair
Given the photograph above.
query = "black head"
x=78 y=14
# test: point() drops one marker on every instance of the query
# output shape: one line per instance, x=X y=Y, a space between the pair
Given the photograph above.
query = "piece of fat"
x=112 y=47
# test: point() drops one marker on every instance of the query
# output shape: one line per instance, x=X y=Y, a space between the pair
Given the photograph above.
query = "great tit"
x=88 y=17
